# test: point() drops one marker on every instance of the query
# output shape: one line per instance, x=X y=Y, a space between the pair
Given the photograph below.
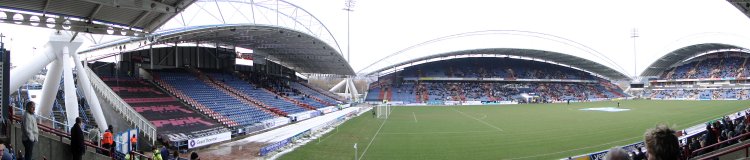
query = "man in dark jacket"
x=77 y=145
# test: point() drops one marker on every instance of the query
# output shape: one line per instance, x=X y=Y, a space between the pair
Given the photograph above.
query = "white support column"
x=21 y=74
x=338 y=86
x=24 y=72
x=353 y=89
x=88 y=91
x=71 y=100
x=50 y=87
x=346 y=83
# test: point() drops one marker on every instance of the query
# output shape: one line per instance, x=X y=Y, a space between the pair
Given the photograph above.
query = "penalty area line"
x=415 y=117
x=483 y=122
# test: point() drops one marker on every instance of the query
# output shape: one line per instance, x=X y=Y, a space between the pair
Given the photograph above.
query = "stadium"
x=245 y=79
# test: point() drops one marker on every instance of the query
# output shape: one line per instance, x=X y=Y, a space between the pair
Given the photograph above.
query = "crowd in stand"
x=719 y=134
x=500 y=91
x=717 y=65
x=490 y=67
x=549 y=85
x=714 y=94
x=663 y=143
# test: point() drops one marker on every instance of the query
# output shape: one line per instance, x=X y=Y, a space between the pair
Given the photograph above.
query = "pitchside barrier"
x=474 y=103
x=687 y=133
x=221 y=136
x=275 y=146
x=698 y=99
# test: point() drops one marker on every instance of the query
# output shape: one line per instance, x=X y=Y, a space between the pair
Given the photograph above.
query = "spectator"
x=157 y=154
x=8 y=153
x=661 y=143
x=77 y=144
x=20 y=155
x=617 y=153
x=133 y=142
x=194 y=156
x=165 y=152
x=30 y=130
x=112 y=143
x=176 y=156
x=2 y=151
x=108 y=141
x=710 y=138
x=94 y=136
x=639 y=155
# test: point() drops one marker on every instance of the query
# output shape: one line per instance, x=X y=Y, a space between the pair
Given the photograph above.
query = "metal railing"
x=744 y=147
x=122 y=107
x=718 y=145
x=60 y=134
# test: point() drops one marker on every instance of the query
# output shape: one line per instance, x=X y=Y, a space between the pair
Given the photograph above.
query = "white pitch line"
x=331 y=135
x=421 y=133
x=373 y=139
x=485 y=123
x=415 y=117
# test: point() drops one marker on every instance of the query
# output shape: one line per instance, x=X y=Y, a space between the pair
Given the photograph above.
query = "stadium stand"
x=714 y=76
x=173 y=119
x=716 y=65
x=263 y=95
x=495 y=68
x=210 y=99
x=490 y=79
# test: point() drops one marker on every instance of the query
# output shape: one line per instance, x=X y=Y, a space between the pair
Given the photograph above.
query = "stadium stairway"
x=313 y=93
x=58 y=111
x=324 y=92
x=198 y=106
x=294 y=101
x=238 y=94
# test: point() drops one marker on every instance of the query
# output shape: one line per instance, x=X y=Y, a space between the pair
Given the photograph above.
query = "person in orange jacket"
x=108 y=140
x=133 y=142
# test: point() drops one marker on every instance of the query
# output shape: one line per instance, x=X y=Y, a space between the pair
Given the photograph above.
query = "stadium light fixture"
x=634 y=35
x=349 y=8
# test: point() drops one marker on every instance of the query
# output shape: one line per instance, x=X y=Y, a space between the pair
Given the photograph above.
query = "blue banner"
x=598 y=155
x=273 y=147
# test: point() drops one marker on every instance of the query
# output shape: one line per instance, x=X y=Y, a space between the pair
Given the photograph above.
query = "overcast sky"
x=383 y=27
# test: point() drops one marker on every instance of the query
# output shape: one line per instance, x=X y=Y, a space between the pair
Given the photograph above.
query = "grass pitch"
x=527 y=131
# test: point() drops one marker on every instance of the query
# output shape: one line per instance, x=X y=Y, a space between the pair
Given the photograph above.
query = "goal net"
x=383 y=111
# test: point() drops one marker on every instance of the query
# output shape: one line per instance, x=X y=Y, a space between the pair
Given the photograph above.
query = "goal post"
x=383 y=111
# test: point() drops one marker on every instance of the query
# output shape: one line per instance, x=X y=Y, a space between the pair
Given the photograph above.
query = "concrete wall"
x=119 y=123
x=113 y=117
x=51 y=146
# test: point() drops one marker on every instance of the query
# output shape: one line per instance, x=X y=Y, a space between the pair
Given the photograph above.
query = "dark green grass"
x=532 y=131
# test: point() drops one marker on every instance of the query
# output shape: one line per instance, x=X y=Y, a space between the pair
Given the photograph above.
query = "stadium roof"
x=560 y=58
x=94 y=16
x=742 y=5
x=299 y=51
x=681 y=54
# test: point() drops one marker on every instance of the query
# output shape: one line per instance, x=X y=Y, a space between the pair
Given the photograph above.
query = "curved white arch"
x=705 y=38
x=493 y=39
x=274 y=13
